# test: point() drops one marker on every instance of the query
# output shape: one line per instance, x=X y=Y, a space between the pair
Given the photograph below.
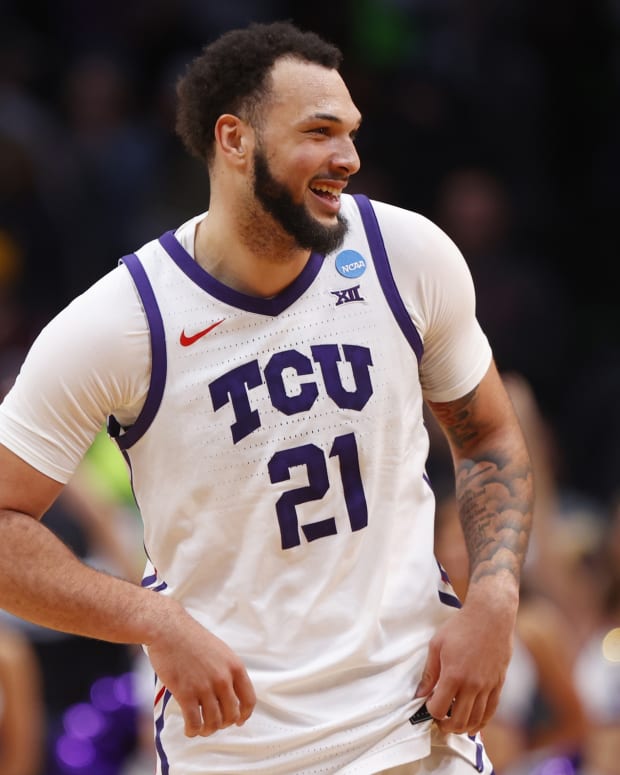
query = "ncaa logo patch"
x=350 y=263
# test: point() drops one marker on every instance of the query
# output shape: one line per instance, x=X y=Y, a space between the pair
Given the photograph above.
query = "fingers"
x=246 y=696
x=231 y=700
x=216 y=691
x=466 y=713
x=430 y=674
x=440 y=704
x=490 y=708
x=457 y=718
x=458 y=708
x=193 y=721
x=208 y=716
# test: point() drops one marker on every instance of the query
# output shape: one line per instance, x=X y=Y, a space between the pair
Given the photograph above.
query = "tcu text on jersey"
x=236 y=384
x=234 y=387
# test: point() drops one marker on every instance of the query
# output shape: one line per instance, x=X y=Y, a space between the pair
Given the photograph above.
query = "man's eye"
x=320 y=130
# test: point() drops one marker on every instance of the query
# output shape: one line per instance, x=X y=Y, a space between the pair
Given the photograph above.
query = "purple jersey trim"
x=204 y=280
x=386 y=278
x=479 y=757
x=450 y=600
x=158 y=354
x=443 y=572
x=159 y=725
x=148 y=580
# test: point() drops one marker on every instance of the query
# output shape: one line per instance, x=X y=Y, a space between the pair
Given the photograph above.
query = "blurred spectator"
x=589 y=399
x=22 y=712
x=15 y=327
x=116 y=153
x=522 y=308
x=143 y=760
x=31 y=277
x=597 y=667
x=567 y=525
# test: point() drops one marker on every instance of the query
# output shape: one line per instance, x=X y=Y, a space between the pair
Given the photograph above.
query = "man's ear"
x=233 y=138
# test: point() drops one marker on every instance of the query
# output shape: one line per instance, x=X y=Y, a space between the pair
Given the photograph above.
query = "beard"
x=294 y=218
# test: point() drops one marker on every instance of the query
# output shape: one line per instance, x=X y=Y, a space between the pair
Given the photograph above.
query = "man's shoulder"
x=395 y=219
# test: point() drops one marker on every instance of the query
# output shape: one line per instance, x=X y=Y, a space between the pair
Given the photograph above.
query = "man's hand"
x=205 y=677
x=465 y=668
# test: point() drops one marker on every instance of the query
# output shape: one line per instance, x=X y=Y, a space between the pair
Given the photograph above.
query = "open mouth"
x=326 y=192
x=329 y=195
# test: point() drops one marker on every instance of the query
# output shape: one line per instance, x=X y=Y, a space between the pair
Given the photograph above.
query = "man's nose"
x=347 y=158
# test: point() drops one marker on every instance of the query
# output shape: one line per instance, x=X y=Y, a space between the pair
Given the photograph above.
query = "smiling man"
x=264 y=368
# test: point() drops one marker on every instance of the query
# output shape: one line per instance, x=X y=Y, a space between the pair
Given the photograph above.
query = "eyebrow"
x=330 y=117
x=327 y=117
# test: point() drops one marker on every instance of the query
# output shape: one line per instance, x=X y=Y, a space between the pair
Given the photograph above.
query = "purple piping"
x=158 y=353
x=386 y=278
x=450 y=600
x=204 y=280
x=479 y=756
x=159 y=725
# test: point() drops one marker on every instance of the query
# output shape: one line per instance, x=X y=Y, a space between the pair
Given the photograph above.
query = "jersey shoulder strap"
x=384 y=273
x=158 y=357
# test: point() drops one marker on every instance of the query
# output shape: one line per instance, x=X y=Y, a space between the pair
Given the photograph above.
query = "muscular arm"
x=493 y=478
x=469 y=656
x=42 y=581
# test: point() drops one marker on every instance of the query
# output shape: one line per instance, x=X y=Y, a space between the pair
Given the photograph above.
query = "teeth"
x=327 y=189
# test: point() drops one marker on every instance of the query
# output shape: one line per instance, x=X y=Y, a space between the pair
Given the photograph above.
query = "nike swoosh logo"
x=187 y=340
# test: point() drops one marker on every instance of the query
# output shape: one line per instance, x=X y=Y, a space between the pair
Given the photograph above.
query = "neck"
x=256 y=257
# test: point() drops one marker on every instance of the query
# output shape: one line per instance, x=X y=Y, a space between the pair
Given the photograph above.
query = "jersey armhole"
x=384 y=273
x=125 y=438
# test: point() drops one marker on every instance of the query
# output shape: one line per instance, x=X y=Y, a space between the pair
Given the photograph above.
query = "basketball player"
x=263 y=368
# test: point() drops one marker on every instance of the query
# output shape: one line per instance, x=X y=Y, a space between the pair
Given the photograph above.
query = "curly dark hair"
x=231 y=75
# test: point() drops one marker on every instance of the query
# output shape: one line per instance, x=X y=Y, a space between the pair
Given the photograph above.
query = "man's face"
x=305 y=153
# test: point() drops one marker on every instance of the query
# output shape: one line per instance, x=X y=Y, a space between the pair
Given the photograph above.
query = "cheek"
x=298 y=166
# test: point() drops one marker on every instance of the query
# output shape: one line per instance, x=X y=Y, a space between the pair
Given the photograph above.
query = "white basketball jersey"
x=279 y=467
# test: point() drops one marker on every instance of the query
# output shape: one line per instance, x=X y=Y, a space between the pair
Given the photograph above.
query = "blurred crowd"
x=498 y=120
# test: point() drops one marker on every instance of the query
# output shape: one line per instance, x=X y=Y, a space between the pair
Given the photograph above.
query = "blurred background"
x=500 y=121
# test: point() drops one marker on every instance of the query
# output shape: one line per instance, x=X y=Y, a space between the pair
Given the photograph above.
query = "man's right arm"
x=42 y=581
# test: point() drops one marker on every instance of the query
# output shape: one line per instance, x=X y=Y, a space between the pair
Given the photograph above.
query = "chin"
x=326 y=219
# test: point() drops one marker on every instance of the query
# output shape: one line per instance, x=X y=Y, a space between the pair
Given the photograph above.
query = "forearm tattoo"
x=493 y=491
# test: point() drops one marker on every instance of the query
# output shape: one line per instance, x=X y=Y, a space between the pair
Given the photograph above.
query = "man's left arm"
x=469 y=655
